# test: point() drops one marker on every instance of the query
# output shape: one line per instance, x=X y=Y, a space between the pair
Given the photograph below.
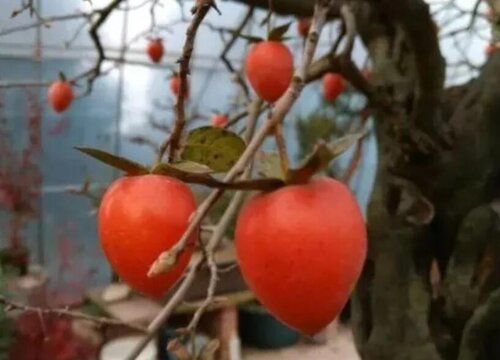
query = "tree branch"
x=200 y=11
x=101 y=321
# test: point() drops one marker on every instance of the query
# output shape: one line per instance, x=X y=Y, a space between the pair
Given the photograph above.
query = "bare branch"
x=201 y=9
x=101 y=321
x=237 y=76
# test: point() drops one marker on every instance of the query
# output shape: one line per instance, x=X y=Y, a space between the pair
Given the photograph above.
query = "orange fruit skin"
x=303 y=26
x=219 y=120
x=175 y=86
x=139 y=218
x=333 y=86
x=269 y=68
x=301 y=250
x=60 y=95
x=155 y=50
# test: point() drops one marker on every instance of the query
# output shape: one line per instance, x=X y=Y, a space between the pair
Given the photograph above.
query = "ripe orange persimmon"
x=333 y=86
x=219 y=120
x=139 y=218
x=269 y=68
x=175 y=85
x=301 y=250
x=155 y=50
x=303 y=26
x=60 y=95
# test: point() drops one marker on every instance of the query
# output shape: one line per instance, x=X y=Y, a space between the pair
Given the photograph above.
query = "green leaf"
x=321 y=157
x=192 y=167
x=207 y=180
x=269 y=165
x=129 y=166
x=216 y=148
x=277 y=33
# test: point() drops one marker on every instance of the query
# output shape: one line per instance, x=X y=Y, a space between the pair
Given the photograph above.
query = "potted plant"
x=258 y=328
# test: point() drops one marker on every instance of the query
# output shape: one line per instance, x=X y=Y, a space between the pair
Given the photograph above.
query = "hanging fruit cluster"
x=300 y=242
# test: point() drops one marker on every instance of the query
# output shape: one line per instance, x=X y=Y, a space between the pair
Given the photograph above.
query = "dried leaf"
x=217 y=148
x=277 y=33
x=126 y=165
x=249 y=38
x=321 y=157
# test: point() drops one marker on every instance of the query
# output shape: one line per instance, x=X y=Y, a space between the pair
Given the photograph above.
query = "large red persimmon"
x=333 y=86
x=60 y=95
x=219 y=120
x=155 y=50
x=269 y=68
x=303 y=26
x=139 y=218
x=301 y=250
x=175 y=86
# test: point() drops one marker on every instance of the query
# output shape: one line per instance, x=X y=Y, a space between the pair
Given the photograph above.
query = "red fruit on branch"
x=60 y=95
x=155 y=50
x=141 y=217
x=333 y=86
x=301 y=250
x=175 y=86
x=219 y=120
x=269 y=68
x=303 y=26
x=490 y=49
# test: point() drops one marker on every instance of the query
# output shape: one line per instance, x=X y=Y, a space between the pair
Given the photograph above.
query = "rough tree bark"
x=435 y=199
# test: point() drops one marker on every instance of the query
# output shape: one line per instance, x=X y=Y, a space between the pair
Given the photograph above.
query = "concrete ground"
x=339 y=345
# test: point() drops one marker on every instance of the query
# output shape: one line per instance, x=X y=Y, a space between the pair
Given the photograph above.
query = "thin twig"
x=9 y=305
x=350 y=27
x=200 y=11
x=281 y=145
x=237 y=76
x=48 y=20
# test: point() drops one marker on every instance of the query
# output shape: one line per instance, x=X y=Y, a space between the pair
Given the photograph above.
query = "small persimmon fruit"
x=155 y=50
x=269 y=68
x=60 y=95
